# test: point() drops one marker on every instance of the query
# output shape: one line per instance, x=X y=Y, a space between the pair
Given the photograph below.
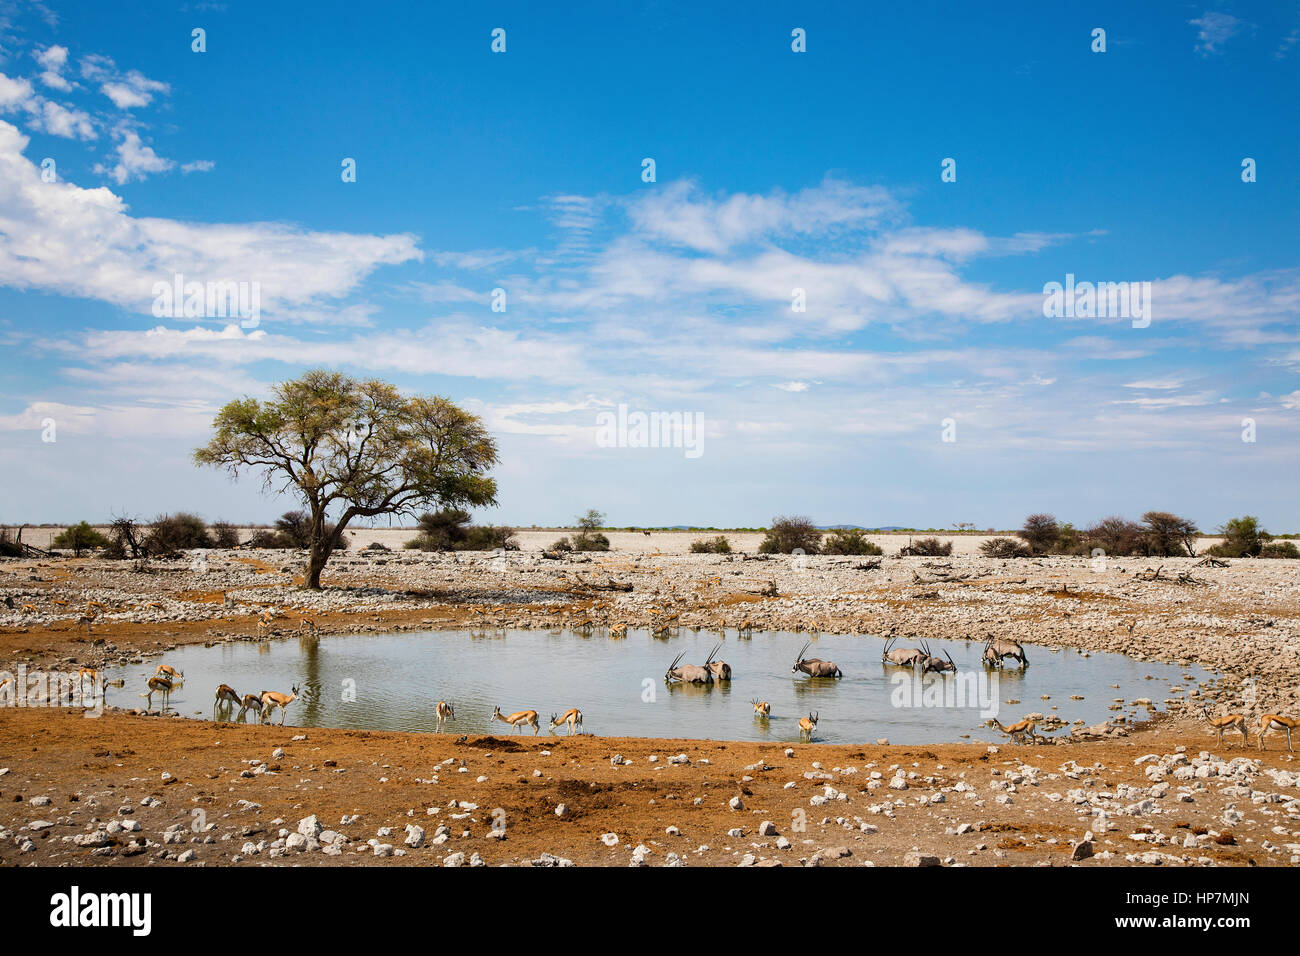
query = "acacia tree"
x=354 y=448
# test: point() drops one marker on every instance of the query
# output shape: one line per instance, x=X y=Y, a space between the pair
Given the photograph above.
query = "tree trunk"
x=320 y=553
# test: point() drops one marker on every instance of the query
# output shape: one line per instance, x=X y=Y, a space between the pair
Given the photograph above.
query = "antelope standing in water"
x=1277 y=722
x=618 y=631
x=249 y=702
x=807 y=725
x=902 y=657
x=721 y=670
x=443 y=713
x=272 y=699
x=171 y=673
x=814 y=666
x=1024 y=729
x=524 y=718
x=761 y=708
x=225 y=699
x=932 y=663
x=158 y=685
x=691 y=673
x=1227 y=722
x=996 y=652
x=572 y=717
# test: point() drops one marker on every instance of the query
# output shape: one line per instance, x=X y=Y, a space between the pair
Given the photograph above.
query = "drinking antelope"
x=443 y=712
x=272 y=699
x=1004 y=649
x=618 y=631
x=1227 y=722
x=690 y=673
x=158 y=685
x=807 y=725
x=171 y=673
x=814 y=666
x=1024 y=729
x=572 y=717
x=932 y=663
x=226 y=699
x=902 y=657
x=745 y=629
x=308 y=626
x=518 y=718
x=249 y=702
x=761 y=708
x=1277 y=722
x=721 y=670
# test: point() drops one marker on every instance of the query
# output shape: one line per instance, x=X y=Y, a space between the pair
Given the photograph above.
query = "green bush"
x=849 y=541
x=1241 y=537
x=790 y=533
x=928 y=548
x=1004 y=548
x=718 y=545
x=1279 y=549
x=169 y=534
x=78 y=538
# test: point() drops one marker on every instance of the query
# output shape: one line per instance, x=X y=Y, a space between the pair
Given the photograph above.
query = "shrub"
x=1241 y=536
x=450 y=530
x=589 y=537
x=9 y=546
x=718 y=545
x=268 y=539
x=124 y=539
x=1279 y=549
x=491 y=538
x=1041 y=533
x=1005 y=548
x=1168 y=535
x=564 y=544
x=224 y=535
x=376 y=546
x=849 y=541
x=171 y=533
x=78 y=538
x=790 y=533
x=930 y=548
x=1116 y=536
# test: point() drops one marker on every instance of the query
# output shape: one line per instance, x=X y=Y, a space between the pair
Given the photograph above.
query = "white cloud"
x=135 y=160
x=1214 y=29
x=66 y=239
x=198 y=166
x=128 y=90
x=54 y=59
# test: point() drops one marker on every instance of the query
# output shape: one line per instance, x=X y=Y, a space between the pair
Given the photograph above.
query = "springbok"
x=814 y=666
x=171 y=673
x=1003 y=649
x=443 y=712
x=158 y=685
x=901 y=657
x=225 y=699
x=807 y=725
x=572 y=717
x=308 y=626
x=29 y=609
x=932 y=663
x=618 y=631
x=745 y=628
x=86 y=620
x=690 y=673
x=265 y=622
x=1024 y=729
x=761 y=708
x=721 y=670
x=519 y=718
x=249 y=702
x=272 y=699
x=96 y=606
x=1277 y=722
x=1227 y=722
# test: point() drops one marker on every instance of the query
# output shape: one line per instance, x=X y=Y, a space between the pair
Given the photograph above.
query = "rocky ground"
x=1023 y=804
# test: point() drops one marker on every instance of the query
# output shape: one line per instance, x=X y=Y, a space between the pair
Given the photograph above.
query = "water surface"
x=393 y=681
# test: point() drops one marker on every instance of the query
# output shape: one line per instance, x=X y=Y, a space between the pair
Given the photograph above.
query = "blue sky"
x=775 y=170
